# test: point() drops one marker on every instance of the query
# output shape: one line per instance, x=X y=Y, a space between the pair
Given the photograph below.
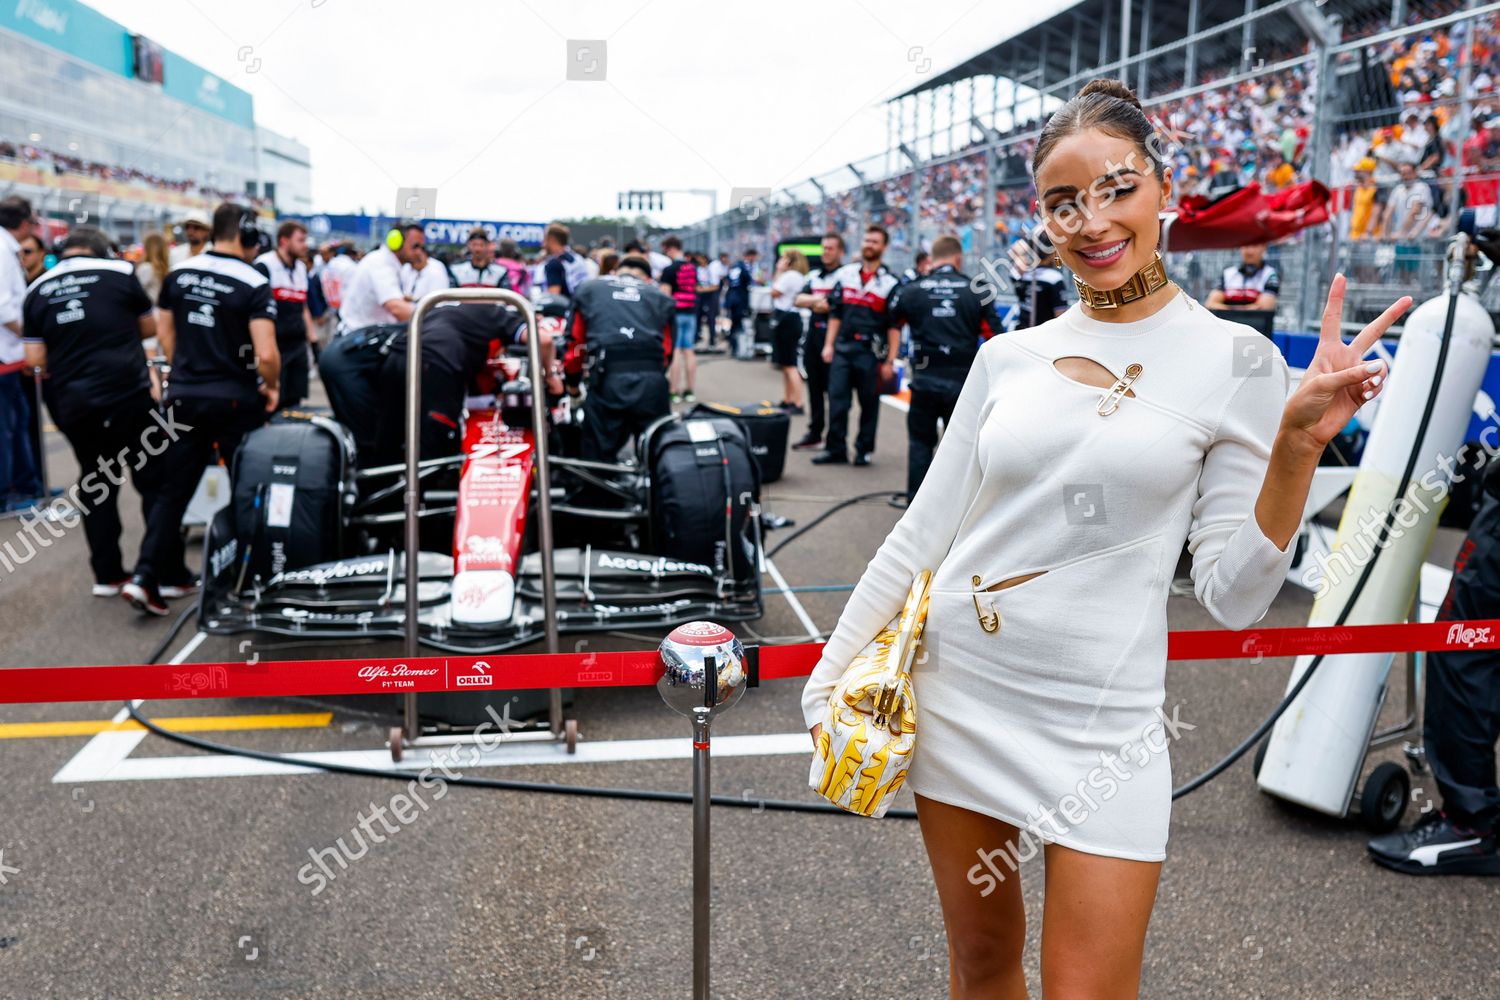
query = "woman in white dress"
x=1082 y=455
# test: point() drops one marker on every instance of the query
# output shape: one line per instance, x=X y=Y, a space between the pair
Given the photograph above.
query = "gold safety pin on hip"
x=989 y=622
x=1110 y=401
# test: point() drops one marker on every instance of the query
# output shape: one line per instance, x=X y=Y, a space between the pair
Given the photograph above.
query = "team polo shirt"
x=212 y=298
x=86 y=312
x=289 y=289
x=858 y=299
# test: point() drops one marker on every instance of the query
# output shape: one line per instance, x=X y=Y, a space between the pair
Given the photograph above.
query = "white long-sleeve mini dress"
x=1041 y=704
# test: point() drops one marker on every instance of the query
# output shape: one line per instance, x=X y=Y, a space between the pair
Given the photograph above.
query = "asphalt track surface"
x=189 y=887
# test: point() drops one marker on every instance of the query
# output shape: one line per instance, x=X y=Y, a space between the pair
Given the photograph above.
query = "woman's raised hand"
x=1338 y=382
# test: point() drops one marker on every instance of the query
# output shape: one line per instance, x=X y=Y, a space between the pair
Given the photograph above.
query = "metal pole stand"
x=409 y=733
x=704 y=672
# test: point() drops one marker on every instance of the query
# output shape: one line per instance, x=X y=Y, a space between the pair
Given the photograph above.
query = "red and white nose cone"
x=701 y=634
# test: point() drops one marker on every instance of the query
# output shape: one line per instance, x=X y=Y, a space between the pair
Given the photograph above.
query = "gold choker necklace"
x=1140 y=284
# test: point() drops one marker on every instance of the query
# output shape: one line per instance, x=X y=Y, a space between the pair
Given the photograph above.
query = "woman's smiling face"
x=1099 y=198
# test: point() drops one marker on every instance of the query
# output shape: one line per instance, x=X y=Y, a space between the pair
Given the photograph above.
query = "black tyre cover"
x=690 y=460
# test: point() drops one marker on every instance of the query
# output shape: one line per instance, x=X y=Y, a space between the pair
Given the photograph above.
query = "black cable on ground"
x=639 y=795
x=1359 y=585
x=825 y=515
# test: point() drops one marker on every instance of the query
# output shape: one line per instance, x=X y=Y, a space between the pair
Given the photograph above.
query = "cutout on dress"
x=1014 y=580
x=1088 y=372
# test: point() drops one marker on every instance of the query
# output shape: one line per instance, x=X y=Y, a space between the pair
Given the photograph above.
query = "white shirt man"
x=659 y=263
x=375 y=288
x=717 y=269
x=12 y=295
x=195 y=232
x=432 y=276
x=1408 y=209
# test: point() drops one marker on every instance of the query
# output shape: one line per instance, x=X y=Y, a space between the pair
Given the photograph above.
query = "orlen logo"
x=1459 y=633
x=480 y=679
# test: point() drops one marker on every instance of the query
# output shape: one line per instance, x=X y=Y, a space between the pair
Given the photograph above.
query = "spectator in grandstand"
x=1365 y=211
x=195 y=231
x=19 y=481
x=1433 y=151
x=786 y=326
x=153 y=268
x=1408 y=213
x=1479 y=154
x=1253 y=284
x=33 y=257
x=1408 y=208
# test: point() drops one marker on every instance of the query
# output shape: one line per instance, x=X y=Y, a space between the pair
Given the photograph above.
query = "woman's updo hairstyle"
x=1110 y=106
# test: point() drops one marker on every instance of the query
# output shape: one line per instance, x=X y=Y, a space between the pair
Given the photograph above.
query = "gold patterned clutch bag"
x=870 y=723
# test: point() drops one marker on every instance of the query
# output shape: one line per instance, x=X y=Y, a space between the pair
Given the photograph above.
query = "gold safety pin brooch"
x=989 y=622
x=1110 y=401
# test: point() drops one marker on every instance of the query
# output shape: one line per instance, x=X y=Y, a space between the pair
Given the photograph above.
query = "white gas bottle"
x=1317 y=748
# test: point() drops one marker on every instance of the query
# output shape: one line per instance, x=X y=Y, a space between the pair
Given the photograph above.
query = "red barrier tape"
x=632 y=668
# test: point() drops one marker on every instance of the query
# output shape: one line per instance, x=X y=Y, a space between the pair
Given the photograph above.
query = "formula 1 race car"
x=311 y=545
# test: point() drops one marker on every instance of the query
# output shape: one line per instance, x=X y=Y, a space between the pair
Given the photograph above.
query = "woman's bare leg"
x=1094 y=924
x=982 y=907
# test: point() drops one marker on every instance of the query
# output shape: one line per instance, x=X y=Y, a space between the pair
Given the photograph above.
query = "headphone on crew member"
x=395 y=238
x=249 y=227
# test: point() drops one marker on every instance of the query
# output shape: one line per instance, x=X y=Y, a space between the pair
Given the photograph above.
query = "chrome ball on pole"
x=704 y=672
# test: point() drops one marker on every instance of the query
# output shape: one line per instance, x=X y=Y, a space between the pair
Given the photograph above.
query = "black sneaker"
x=863 y=458
x=830 y=458
x=791 y=408
x=1437 y=846
x=140 y=593
x=808 y=442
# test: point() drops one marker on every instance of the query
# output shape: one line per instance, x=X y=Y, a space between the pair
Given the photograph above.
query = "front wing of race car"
x=597 y=590
x=264 y=570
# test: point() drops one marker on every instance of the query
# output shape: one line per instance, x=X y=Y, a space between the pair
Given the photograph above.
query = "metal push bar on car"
x=409 y=734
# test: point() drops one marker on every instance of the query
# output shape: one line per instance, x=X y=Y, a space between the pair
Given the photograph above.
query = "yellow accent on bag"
x=870 y=723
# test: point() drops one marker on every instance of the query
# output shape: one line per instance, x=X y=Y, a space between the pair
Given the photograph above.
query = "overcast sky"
x=471 y=98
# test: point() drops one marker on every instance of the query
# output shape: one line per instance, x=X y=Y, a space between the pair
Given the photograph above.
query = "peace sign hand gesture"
x=1338 y=382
